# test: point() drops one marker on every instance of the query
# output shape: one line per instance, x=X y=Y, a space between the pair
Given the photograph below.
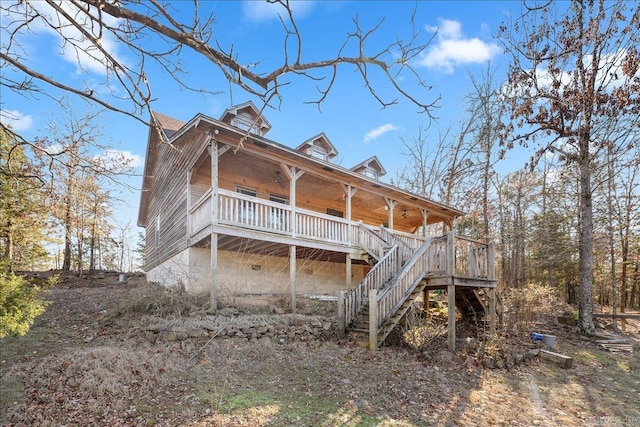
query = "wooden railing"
x=437 y=260
x=413 y=241
x=447 y=255
x=317 y=226
x=473 y=259
x=264 y=215
x=390 y=299
x=371 y=241
x=355 y=299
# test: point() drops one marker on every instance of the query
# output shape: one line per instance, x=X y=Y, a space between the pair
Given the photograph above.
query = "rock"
x=228 y=311
x=533 y=353
x=170 y=337
x=326 y=326
x=195 y=333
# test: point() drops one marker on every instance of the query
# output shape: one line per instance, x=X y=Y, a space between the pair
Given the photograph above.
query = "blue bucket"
x=536 y=336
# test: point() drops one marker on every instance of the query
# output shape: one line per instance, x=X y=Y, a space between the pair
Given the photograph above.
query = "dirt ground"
x=96 y=358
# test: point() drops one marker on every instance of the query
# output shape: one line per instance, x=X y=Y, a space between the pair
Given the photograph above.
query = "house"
x=229 y=212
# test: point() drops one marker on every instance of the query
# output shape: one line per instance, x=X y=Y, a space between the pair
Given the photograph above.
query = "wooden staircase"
x=361 y=327
x=401 y=273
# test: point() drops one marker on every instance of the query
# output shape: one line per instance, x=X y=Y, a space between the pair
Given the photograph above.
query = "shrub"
x=20 y=303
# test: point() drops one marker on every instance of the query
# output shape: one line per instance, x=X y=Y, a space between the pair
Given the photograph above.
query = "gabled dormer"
x=318 y=147
x=246 y=117
x=371 y=168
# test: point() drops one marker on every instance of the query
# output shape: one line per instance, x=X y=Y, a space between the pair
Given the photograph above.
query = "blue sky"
x=462 y=44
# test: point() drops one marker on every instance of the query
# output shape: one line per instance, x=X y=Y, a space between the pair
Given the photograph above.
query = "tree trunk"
x=585 y=290
x=8 y=250
x=66 y=262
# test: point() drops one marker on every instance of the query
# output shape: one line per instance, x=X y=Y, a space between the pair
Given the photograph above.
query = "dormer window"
x=371 y=168
x=318 y=153
x=246 y=117
x=245 y=122
x=319 y=147
x=371 y=173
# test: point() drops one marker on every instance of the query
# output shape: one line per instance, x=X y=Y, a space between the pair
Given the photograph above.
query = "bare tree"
x=574 y=69
x=76 y=156
x=102 y=32
x=485 y=108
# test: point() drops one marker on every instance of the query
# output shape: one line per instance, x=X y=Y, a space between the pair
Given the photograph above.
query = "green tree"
x=23 y=216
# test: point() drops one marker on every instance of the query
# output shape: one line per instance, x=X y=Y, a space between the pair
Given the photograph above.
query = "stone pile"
x=278 y=328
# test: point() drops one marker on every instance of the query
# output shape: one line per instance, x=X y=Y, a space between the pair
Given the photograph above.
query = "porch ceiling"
x=318 y=192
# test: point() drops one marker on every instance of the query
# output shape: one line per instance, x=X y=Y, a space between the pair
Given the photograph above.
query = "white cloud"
x=123 y=157
x=452 y=48
x=379 y=131
x=262 y=11
x=75 y=48
x=16 y=120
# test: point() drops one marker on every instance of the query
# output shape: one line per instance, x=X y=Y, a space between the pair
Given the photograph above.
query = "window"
x=278 y=216
x=278 y=199
x=318 y=153
x=334 y=212
x=371 y=173
x=246 y=209
x=245 y=122
x=246 y=191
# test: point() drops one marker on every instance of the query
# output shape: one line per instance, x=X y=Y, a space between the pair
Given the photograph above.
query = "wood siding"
x=168 y=200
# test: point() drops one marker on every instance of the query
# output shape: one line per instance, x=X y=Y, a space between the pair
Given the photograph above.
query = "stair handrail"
x=392 y=297
x=371 y=242
x=388 y=235
x=384 y=270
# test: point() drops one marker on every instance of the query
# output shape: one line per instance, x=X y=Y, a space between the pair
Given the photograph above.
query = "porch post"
x=373 y=319
x=293 y=174
x=492 y=311
x=451 y=253
x=451 y=301
x=292 y=276
x=491 y=261
x=391 y=204
x=214 y=223
x=349 y=192
x=425 y=216
x=348 y=271
x=341 y=314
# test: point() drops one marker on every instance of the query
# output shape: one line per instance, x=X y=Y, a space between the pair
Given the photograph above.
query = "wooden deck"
x=404 y=265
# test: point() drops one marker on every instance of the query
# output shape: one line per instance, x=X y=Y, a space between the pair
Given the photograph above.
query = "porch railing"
x=447 y=255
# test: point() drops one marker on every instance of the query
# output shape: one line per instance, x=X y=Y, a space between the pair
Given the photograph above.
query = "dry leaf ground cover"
x=96 y=358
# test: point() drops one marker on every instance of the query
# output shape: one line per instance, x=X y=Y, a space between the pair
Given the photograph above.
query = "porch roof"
x=200 y=124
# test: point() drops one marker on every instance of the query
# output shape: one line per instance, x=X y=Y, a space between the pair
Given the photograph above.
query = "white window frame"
x=318 y=152
x=370 y=173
